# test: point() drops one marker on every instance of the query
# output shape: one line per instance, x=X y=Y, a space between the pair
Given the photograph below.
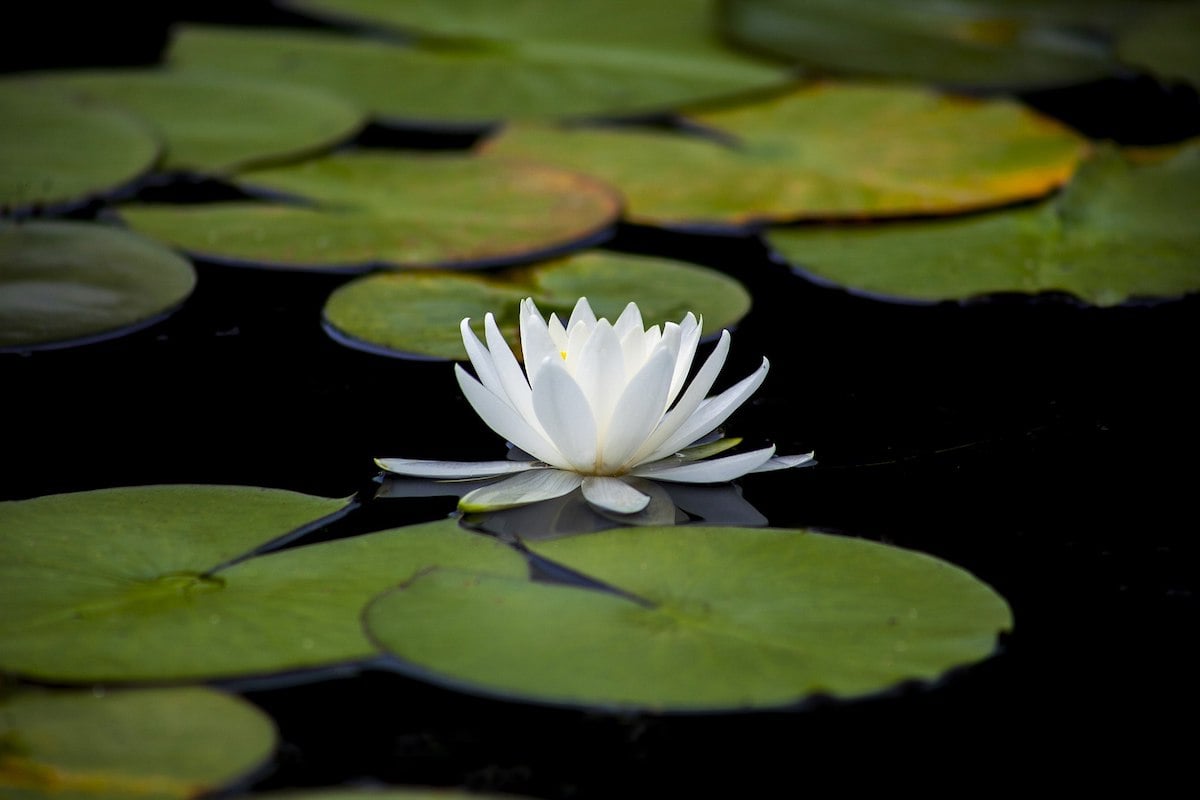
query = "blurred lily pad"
x=356 y=210
x=419 y=313
x=701 y=619
x=968 y=43
x=1165 y=41
x=671 y=60
x=65 y=283
x=152 y=743
x=128 y=584
x=1118 y=231
x=827 y=151
x=213 y=123
x=57 y=150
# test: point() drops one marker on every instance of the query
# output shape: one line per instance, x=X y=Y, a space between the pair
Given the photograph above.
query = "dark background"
x=1044 y=446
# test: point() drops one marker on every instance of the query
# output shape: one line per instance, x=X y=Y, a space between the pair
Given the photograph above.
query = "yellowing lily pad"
x=355 y=210
x=128 y=584
x=709 y=619
x=419 y=314
x=677 y=61
x=65 y=283
x=1118 y=231
x=153 y=743
x=975 y=43
x=57 y=150
x=827 y=151
x=218 y=123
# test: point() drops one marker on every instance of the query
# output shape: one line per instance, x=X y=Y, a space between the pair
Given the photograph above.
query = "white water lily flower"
x=597 y=401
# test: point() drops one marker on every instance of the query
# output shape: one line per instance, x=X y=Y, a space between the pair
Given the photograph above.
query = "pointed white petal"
x=785 y=462
x=481 y=359
x=614 y=494
x=509 y=375
x=565 y=415
x=536 y=342
x=717 y=470
x=519 y=490
x=582 y=313
x=688 y=340
x=577 y=334
x=638 y=412
x=688 y=404
x=600 y=373
x=500 y=417
x=629 y=321
x=558 y=333
x=451 y=470
x=711 y=413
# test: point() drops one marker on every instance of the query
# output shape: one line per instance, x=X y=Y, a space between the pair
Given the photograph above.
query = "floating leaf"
x=127 y=584
x=419 y=314
x=670 y=57
x=65 y=283
x=1166 y=41
x=827 y=151
x=1118 y=231
x=57 y=150
x=971 y=43
x=367 y=208
x=153 y=743
x=218 y=123
x=730 y=618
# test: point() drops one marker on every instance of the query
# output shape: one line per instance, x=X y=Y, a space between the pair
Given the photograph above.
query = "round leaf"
x=827 y=151
x=154 y=743
x=1117 y=232
x=476 y=84
x=127 y=584
x=1166 y=41
x=728 y=618
x=218 y=123
x=419 y=314
x=366 y=208
x=66 y=283
x=57 y=150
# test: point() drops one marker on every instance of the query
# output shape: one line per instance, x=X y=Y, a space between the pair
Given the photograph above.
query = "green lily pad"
x=976 y=43
x=153 y=743
x=355 y=210
x=419 y=314
x=826 y=151
x=475 y=84
x=729 y=618
x=1166 y=41
x=1118 y=231
x=214 y=123
x=65 y=283
x=58 y=150
x=128 y=584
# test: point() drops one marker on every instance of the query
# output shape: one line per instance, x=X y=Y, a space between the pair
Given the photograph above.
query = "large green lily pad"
x=58 y=150
x=977 y=43
x=213 y=123
x=1166 y=41
x=69 y=282
x=153 y=743
x=729 y=618
x=1118 y=231
x=827 y=151
x=355 y=210
x=124 y=585
x=477 y=83
x=419 y=314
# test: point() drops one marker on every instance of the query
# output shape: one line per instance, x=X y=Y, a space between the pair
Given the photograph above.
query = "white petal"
x=688 y=340
x=577 y=334
x=711 y=413
x=614 y=494
x=785 y=462
x=508 y=372
x=629 y=321
x=481 y=359
x=688 y=404
x=600 y=373
x=638 y=412
x=582 y=313
x=717 y=470
x=451 y=470
x=500 y=417
x=535 y=340
x=558 y=334
x=565 y=415
x=519 y=490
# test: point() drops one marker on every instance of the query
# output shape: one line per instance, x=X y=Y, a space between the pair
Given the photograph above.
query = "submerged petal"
x=717 y=470
x=614 y=494
x=500 y=417
x=521 y=489
x=451 y=470
x=785 y=462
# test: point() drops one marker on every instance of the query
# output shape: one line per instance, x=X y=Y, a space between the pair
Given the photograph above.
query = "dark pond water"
x=1043 y=446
